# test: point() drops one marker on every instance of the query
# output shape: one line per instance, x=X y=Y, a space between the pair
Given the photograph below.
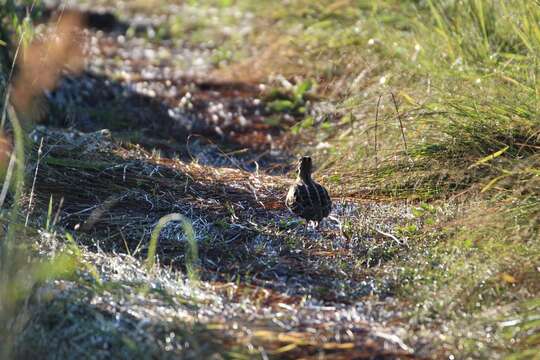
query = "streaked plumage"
x=306 y=198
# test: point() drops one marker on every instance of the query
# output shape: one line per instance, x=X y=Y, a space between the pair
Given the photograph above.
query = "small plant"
x=291 y=101
x=407 y=230
x=307 y=123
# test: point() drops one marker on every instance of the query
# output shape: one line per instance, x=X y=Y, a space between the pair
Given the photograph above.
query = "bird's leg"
x=317 y=225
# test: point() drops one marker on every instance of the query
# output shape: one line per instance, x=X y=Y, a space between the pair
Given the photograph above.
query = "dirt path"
x=268 y=287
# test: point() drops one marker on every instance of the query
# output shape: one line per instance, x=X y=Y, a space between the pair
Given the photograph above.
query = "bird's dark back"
x=309 y=200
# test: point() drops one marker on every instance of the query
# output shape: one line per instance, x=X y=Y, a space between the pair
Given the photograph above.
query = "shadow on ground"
x=214 y=123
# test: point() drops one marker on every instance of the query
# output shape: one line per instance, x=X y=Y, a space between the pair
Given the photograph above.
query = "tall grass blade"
x=191 y=251
x=490 y=157
x=49 y=214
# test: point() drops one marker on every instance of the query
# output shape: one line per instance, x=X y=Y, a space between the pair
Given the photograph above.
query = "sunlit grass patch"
x=119 y=316
x=474 y=278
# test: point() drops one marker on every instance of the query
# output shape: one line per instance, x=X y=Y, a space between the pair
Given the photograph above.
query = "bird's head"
x=305 y=167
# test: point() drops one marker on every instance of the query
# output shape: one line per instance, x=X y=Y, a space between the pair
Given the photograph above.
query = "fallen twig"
x=393 y=237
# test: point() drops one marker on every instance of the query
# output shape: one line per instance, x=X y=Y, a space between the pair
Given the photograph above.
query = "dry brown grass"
x=274 y=54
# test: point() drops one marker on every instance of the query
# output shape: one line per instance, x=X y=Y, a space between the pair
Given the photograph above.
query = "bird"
x=306 y=198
